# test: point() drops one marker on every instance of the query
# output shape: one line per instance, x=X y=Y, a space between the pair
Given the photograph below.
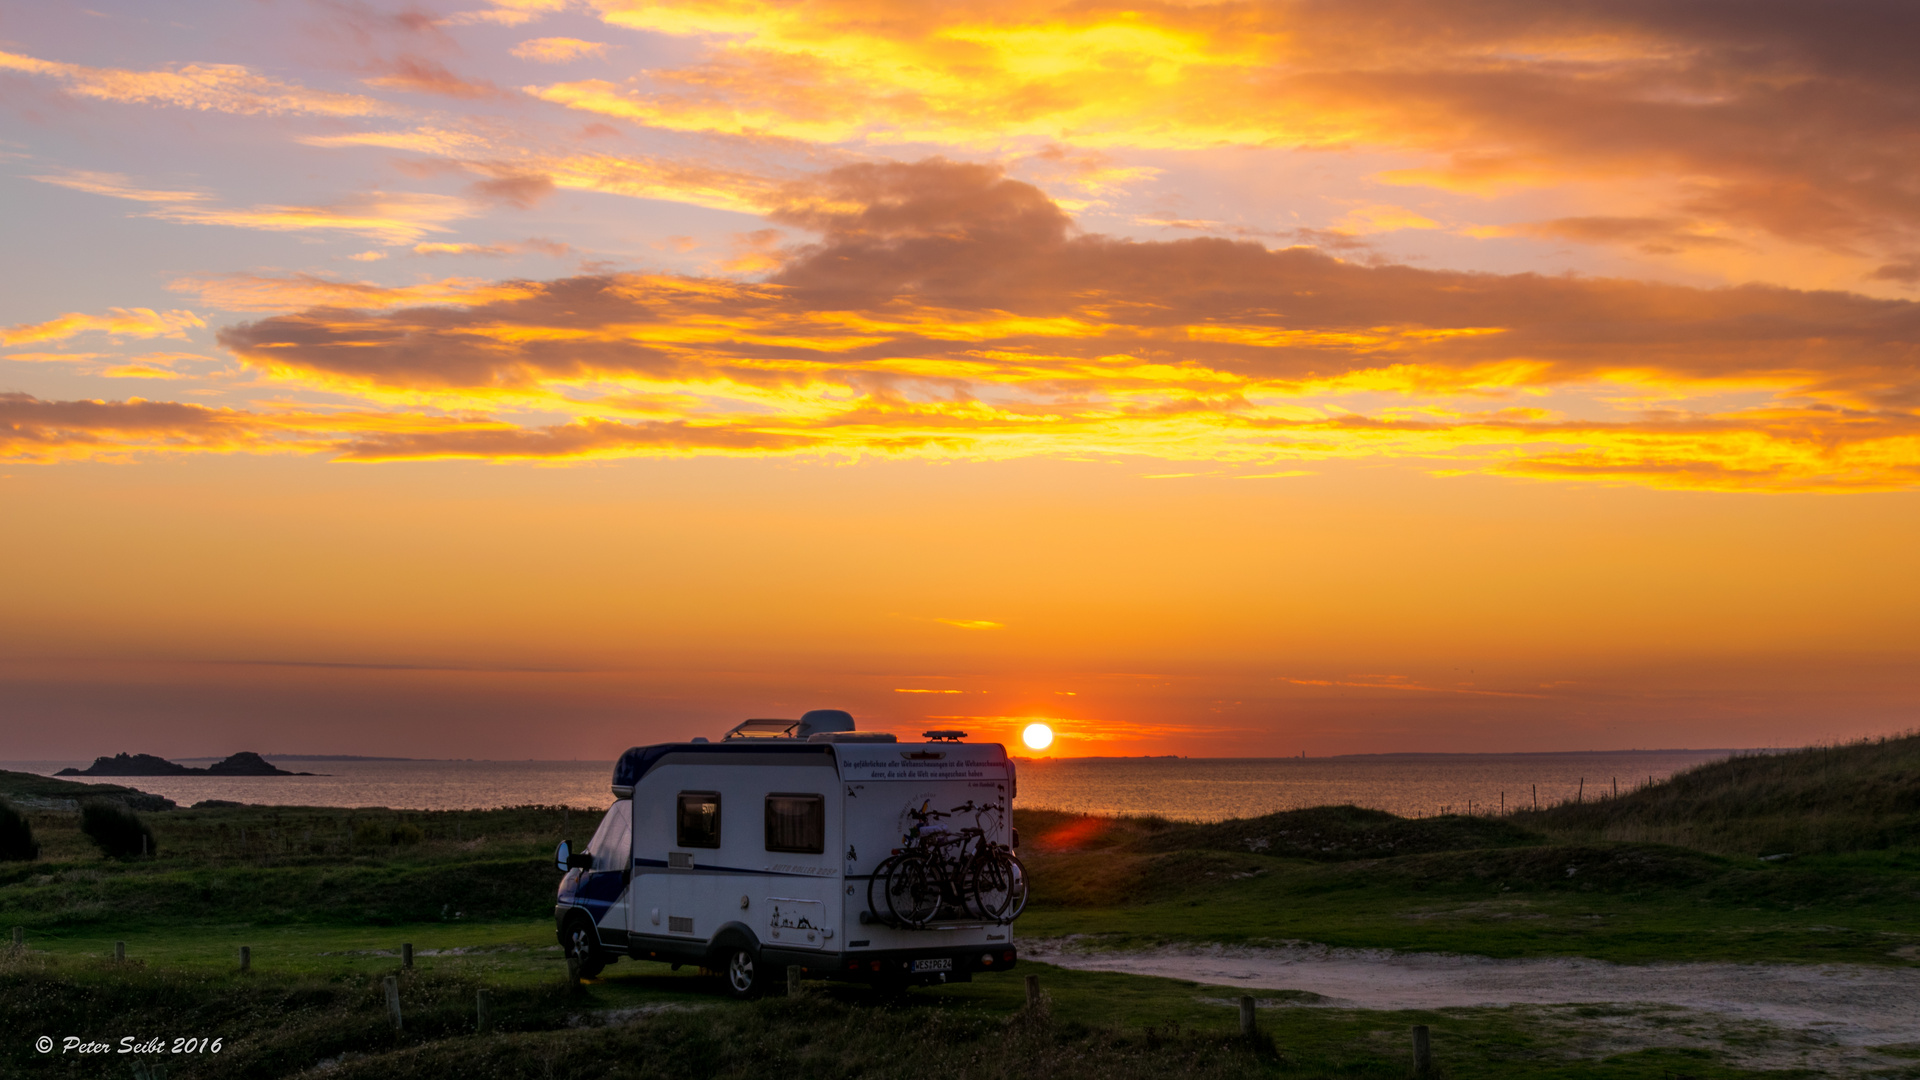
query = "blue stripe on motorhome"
x=661 y=864
x=598 y=892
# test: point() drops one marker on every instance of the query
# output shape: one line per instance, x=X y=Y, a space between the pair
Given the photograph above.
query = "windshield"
x=612 y=842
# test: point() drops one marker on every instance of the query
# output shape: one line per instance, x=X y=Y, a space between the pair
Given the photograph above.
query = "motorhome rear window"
x=699 y=819
x=797 y=823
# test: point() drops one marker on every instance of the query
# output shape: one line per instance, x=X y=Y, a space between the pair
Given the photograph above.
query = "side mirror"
x=563 y=857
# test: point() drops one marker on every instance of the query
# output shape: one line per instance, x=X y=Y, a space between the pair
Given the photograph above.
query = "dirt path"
x=1835 y=1006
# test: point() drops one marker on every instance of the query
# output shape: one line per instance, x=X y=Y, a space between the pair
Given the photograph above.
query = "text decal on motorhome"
x=895 y=768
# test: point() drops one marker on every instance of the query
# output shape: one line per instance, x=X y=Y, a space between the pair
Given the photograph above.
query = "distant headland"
x=244 y=763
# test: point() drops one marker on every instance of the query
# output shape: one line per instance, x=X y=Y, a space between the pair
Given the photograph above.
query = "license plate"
x=945 y=963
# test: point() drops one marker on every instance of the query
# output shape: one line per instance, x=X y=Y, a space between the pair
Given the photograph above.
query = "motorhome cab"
x=760 y=851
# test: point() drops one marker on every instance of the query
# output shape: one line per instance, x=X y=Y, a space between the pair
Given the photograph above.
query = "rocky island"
x=244 y=763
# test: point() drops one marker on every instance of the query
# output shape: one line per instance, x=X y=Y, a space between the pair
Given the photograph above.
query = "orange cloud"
x=1654 y=236
x=417 y=74
x=391 y=217
x=251 y=292
x=1784 y=121
x=425 y=140
x=117 y=186
x=581 y=440
x=558 y=50
x=33 y=430
x=510 y=12
x=464 y=249
x=122 y=322
x=228 y=88
x=947 y=310
x=943 y=274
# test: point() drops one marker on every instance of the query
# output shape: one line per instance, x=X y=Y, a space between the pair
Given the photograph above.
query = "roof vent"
x=813 y=723
x=943 y=736
x=851 y=737
x=762 y=729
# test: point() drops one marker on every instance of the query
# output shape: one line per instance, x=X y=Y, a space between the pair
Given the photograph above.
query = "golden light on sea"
x=1037 y=736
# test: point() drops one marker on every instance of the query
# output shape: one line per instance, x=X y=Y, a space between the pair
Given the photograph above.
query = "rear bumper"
x=898 y=965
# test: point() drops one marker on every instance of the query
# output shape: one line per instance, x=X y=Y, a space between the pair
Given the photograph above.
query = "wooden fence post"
x=794 y=989
x=246 y=959
x=1422 y=1052
x=1033 y=991
x=1246 y=1016
x=393 y=1001
x=19 y=939
x=406 y=954
x=482 y=1013
x=119 y=952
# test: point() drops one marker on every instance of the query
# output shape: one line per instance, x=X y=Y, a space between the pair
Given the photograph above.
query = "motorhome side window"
x=797 y=823
x=699 y=819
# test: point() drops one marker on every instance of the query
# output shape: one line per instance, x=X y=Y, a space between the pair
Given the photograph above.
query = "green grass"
x=1837 y=908
x=1861 y=796
x=299 y=1009
x=1629 y=902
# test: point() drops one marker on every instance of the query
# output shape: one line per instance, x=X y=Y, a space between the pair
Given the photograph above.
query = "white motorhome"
x=755 y=853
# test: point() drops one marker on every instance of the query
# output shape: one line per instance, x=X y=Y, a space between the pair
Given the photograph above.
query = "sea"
x=1182 y=789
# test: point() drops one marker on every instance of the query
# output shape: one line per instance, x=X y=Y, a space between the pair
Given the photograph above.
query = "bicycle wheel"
x=912 y=889
x=1017 y=893
x=990 y=883
x=878 y=904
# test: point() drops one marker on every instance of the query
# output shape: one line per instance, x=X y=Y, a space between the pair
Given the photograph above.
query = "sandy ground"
x=1822 y=1016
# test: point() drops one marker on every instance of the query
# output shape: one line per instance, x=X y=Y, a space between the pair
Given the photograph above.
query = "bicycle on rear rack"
x=936 y=869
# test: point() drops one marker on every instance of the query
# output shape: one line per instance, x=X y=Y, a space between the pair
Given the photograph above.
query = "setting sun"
x=1037 y=736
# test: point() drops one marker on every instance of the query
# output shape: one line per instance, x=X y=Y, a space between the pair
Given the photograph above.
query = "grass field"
x=302 y=1008
x=324 y=898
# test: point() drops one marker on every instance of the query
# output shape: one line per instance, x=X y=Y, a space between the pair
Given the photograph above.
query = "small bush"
x=377 y=834
x=16 y=836
x=116 y=830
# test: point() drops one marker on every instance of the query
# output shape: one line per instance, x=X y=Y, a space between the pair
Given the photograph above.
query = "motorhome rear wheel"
x=745 y=979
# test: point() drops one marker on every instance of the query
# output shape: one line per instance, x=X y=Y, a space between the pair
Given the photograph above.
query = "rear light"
x=876 y=965
x=986 y=959
x=1008 y=956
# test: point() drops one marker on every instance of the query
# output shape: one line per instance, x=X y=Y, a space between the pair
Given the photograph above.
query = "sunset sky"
x=537 y=378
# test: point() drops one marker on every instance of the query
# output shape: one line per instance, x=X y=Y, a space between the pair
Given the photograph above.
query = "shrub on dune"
x=16 y=836
x=117 y=831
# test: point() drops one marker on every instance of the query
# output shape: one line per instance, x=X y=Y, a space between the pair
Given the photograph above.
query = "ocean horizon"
x=1411 y=784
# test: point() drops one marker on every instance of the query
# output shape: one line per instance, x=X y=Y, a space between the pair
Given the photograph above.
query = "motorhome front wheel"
x=579 y=942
